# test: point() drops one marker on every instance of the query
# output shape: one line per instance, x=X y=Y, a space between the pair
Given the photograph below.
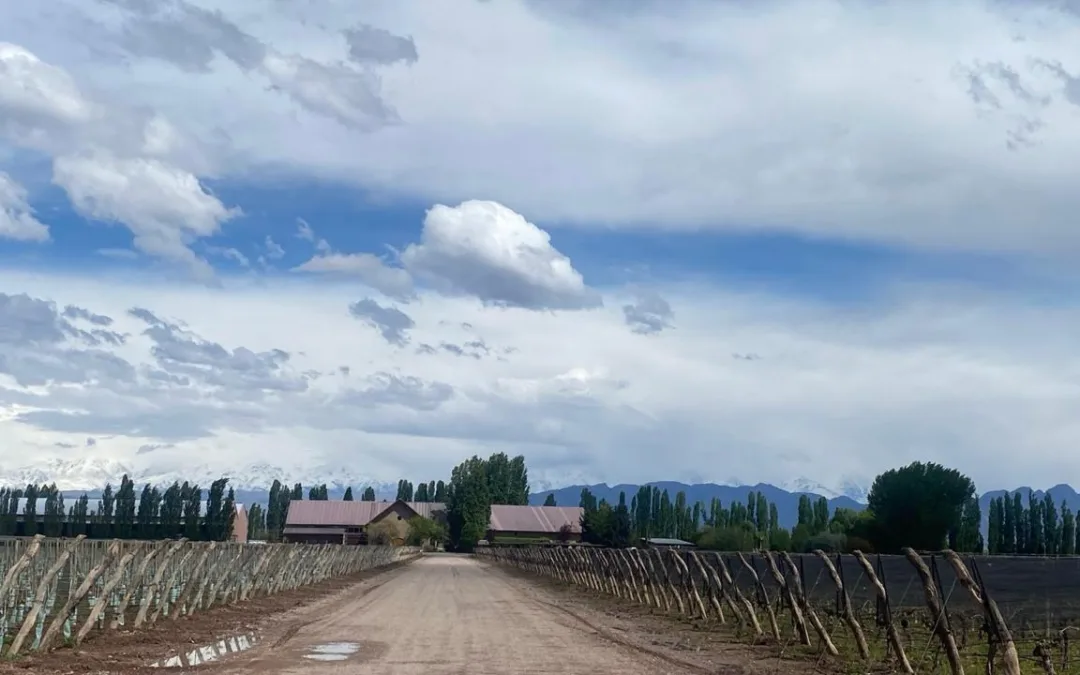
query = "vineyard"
x=851 y=613
x=60 y=591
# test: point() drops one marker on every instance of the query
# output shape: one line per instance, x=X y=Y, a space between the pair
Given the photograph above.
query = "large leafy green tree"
x=920 y=505
x=468 y=504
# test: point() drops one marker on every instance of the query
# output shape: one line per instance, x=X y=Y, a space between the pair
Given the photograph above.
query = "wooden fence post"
x=807 y=608
x=937 y=612
x=75 y=598
x=103 y=599
x=151 y=589
x=846 y=611
x=39 y=597
x=197 y=575
x=764 y=594
x=891 y=633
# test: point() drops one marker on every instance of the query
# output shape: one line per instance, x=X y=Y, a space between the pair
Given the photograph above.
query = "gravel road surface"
x=447 y=615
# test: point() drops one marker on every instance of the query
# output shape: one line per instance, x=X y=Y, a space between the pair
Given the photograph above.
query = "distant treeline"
x=176 y=511
x=923 y=505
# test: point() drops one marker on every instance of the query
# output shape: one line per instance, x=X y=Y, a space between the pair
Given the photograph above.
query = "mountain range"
x=252 y=482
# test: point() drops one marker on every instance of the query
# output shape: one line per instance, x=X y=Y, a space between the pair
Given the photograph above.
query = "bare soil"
x=440 y=615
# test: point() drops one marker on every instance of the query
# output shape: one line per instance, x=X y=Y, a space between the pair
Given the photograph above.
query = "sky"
x=694 y=240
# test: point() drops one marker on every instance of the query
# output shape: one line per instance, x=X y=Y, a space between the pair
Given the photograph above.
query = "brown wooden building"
x=340 y=522
x=511 y=523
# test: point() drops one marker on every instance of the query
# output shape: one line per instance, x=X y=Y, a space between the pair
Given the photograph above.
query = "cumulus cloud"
x=486 y=250
x=36 y=97
x=391 y=322
x=649 y=313
x=17 y=219
x=614 y=122
x=115 y=164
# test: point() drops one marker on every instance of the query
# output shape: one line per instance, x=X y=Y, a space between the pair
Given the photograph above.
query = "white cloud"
x=116 y=163
x=34 y=93
x=369 y=269
x=582 y=114
x=486 y=250
x=164 y=207
x=17 y=219
x=975 y=381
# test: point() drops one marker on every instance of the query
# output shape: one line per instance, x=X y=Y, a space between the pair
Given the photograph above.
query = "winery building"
x=338 y=521
x=342 y=522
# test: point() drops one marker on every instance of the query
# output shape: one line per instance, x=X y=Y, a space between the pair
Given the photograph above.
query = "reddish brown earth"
x=440 y=615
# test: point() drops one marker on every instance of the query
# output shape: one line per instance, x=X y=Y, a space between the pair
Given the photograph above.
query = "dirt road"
x=446 y=615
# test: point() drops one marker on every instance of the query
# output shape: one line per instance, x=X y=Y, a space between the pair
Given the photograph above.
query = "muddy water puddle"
x=332 y=651
x=209 y=653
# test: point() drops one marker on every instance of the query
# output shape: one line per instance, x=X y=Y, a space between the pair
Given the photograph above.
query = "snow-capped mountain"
x=87 y=473
x=92 y=473
x=847 y=487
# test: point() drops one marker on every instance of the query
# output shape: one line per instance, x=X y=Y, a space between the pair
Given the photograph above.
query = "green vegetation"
x=153 y=514
x=475 y=485
x=922 y=505
x=425 y=532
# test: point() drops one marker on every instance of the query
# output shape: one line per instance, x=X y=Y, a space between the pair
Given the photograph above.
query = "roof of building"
x=337 y=531
x=349 y=514
x=548 y=519
x=665 y=541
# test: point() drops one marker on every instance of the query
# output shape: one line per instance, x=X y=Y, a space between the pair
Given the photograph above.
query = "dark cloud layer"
x=391 y=322
x=650 y=313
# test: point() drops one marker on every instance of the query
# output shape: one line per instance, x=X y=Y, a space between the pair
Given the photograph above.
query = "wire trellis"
x=921 y=613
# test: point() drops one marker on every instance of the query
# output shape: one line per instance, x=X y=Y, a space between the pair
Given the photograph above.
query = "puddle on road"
x=214 y=651
x=333 y=651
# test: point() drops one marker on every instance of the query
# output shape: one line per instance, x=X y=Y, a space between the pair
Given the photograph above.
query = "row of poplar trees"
x=653 y=514
x=1039 y=528
x=126 y=513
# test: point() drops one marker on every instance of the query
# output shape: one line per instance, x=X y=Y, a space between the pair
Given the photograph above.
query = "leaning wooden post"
x=1010 y=659
x=764 y=596
x=193 y=581
x=729 y=582
x=75 y=598
x=170 y=583
x=135 y=583
x=151 y=589
x=845 y=605
x=807 y=608
x=892 y=635
x=24 y=560
x=688 y=585
x=102 y=601
x=39 y=597
x=937 y=611
x=789 y=598
x=712 y=587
